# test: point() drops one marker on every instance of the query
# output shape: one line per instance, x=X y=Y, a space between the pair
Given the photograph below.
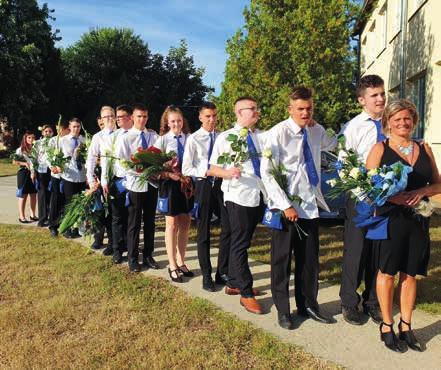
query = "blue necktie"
x=210 y=147
x=254 y=156
x=180 y=150
x=78 y=160
x=309 y=161
x=143 y=140
x=380 y=135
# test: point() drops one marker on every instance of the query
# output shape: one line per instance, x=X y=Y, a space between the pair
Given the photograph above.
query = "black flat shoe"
x=150 y=263
x=409 y=337
x=314 y=314
x=285 y=321
x=185 y=271
x=208 y=284
x=134 y=267
x=374 y=313
x=390 y=339
x=33 y=219
x=352 y=315
x=177 y=278
x=23 y=221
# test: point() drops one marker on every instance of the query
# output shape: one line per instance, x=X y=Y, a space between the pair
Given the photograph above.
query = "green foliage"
x=286 y=43
x=29 y=62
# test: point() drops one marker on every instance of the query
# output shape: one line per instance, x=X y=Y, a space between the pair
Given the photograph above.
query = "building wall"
x=381 y=54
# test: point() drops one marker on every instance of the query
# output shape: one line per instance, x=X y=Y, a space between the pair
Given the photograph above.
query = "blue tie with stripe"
x=254 y=156
x=309 y=161
x=143 y=140
x=180 y=150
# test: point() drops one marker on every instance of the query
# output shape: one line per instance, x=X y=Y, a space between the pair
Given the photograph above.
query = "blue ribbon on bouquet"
x=98 y=204
x=376 y=225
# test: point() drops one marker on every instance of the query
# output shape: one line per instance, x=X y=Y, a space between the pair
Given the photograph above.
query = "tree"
x=29 y=62
x=286 y=43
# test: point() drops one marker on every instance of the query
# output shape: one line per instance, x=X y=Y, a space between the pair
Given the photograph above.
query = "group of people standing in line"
x=379 y=135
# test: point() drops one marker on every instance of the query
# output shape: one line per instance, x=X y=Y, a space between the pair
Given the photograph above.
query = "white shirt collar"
x=293 y=126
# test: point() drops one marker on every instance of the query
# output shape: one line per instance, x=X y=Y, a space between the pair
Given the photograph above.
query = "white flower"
x=354 y=173
x=266 y=153
x=40 y=128
x=372 y=172
x=332 y=182
x=357 y=191
x=243 y=132
x=342 y=174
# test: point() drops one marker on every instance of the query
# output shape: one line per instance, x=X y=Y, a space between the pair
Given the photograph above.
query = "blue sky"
x=205 y=25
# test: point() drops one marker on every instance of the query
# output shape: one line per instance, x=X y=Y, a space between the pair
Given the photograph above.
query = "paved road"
x=350 y=346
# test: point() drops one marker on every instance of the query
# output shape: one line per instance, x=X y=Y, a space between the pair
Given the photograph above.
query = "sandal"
x=408 y=336
x=177 y=278
x=390 y=339
x=185 y=271
x=33 y=218
x=23 y=221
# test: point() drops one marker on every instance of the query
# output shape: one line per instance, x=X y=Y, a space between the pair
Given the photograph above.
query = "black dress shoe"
x=390 y=339
x=374 y=313
x=134 y=267
x=96 y=245
x=108 y=251
x=285 y=321
x=117 y=258
x=221 y=279
x=184 y=270
x=208 y=284
x=314 y=314
x=409 y=337
x=149 y=262
x=54 y=232
x=352 y=315
x=75 y=234
x=33 y=218
x=68 y=234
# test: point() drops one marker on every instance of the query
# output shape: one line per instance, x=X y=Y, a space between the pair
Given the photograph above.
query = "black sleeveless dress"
x=407 y=248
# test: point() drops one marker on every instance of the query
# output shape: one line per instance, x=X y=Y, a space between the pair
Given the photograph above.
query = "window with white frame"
x=382 y=28
x=419 y=98
x=395 y=12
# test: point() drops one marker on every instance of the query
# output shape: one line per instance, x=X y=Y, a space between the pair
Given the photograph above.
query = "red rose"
x=152 y=149
x=133 y=159
x=140 y=149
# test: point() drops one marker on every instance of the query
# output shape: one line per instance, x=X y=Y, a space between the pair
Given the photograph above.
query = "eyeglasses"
x=252 y=109
x=123 y=116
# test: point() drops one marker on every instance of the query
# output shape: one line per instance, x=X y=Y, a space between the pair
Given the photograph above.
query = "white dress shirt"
x=71 y=172
x=100 y=145
x=195 y=162
x=285 y=140
x=40 y=146
x=360 y=134
x=54 y=142
x=245 y=190
x=167 y=143
x=25 y=156
x=126 y=145
x=117 y=169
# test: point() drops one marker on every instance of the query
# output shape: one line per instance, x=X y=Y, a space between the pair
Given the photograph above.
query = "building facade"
x=400 y=40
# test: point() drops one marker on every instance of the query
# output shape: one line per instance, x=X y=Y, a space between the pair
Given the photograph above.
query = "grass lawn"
x=62 y=306
x=7 y=168
x=331 y=253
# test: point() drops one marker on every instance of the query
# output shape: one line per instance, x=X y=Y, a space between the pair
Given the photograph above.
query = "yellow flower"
x=354 y=173
x=243 y=132
x=267 y=153
x=372 y=172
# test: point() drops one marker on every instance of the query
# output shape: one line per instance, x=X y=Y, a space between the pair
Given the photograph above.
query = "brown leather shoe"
x=236 y=291
x=251 y=305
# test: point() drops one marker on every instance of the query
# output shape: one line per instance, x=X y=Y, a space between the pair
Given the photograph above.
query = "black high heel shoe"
x=185 y=271
x=390 y=339
x=409 y=337
x=178 y=278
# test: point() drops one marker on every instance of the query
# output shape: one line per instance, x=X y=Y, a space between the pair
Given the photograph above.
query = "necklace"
x=406 y=150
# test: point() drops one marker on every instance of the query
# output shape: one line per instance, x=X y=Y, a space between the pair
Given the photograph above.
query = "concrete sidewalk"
x=350 y=346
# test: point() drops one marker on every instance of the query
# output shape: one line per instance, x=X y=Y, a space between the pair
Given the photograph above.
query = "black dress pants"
x=72 y=188
x=243 y=222
x=119 y=214
x=358 y=263
x=283 y=244
x=44 y=196
x=142 y=207
x=209 y=196
x=56 y=203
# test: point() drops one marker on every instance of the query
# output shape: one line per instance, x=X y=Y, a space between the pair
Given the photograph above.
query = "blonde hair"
x=106 y=107
x=397 y=106
x=164 y=120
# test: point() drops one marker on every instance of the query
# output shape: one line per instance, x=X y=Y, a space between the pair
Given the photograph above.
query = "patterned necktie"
x=78 y=159
x=309 y=160
x=254 y=156
x=210 y=147
x=180 y=149
x=380 y=135
x=143 y=140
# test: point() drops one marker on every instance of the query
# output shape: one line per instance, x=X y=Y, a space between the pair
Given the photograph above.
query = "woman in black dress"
x=174 y=132
x=25 y=178
x=406 y=250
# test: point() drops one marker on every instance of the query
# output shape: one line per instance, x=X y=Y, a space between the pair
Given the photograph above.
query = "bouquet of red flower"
x=150 y=163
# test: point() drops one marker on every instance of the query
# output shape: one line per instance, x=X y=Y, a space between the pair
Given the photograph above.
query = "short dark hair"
x=76 y=120
x=139 y=106
x=368 y=81
x=126 y=108
x=245 y=97
x=207 y=105
x=301 y=92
